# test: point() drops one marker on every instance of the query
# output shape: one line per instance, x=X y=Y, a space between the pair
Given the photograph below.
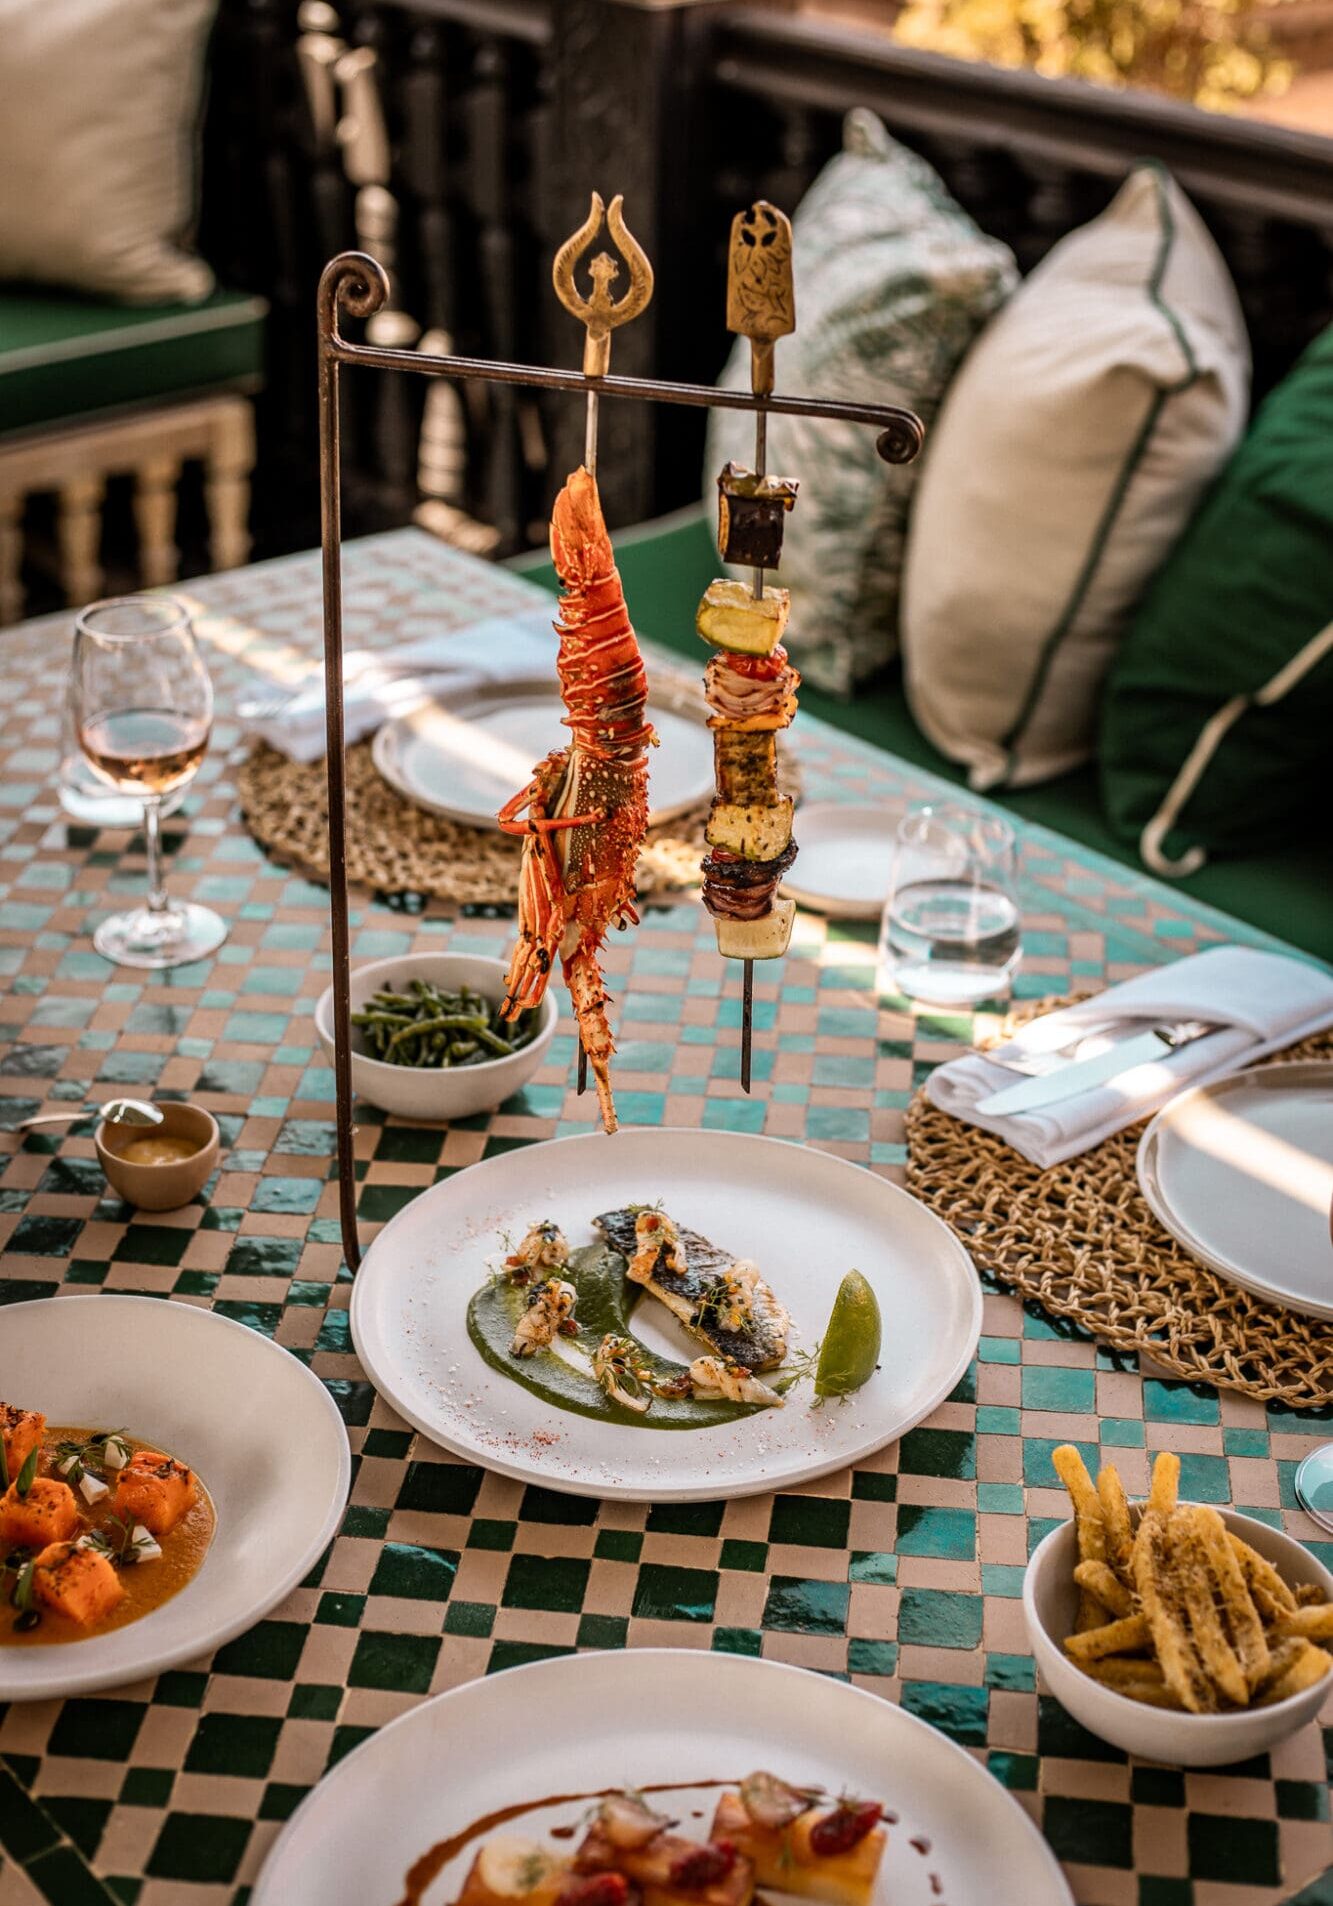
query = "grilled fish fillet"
x=721 y=1300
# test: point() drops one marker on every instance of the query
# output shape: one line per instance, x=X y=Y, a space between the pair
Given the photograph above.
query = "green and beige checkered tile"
x=902 y=1576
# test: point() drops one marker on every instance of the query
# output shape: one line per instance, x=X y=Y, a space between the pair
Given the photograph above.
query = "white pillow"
x=893 y=282
x=99 y=107
x=1069 y=454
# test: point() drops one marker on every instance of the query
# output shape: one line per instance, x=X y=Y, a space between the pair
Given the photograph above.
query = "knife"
x=1076 y=1077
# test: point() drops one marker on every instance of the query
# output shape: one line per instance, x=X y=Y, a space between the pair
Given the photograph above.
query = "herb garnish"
x=117 y=1541
x=27 y=1475
x=90 y=1455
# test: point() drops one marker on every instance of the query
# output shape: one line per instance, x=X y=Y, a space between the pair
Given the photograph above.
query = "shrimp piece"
x=550 y=1310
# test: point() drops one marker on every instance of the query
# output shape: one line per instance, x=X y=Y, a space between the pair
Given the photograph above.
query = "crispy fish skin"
x=760 y=1344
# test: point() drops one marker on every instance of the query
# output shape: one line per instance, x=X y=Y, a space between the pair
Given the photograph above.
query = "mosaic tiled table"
x=903 y=1575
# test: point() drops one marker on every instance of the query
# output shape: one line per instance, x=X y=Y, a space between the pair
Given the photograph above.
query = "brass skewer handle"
x=601 y=313
x=761 y=292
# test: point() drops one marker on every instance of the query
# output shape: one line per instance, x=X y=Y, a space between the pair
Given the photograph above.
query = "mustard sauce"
x=158 y=1151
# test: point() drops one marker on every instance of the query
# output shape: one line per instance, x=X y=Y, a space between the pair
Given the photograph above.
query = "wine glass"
x=951 y=929
x=142 y=708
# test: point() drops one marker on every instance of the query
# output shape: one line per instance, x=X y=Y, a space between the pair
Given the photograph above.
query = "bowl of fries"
x=1179 y=1632
x=428 y=1042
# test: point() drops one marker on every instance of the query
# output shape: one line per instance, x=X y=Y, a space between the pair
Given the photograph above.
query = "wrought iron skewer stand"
x=356 y=285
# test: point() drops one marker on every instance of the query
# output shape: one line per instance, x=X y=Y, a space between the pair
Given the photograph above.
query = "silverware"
x=1015 y=1057
x=114 y=1112
x=1078 y=1075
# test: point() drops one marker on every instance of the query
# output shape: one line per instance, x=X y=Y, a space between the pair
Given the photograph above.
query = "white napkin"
x=1261 y=1001
x=380 y=684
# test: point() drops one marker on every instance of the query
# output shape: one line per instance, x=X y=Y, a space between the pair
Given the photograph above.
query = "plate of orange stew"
x=167 y=1477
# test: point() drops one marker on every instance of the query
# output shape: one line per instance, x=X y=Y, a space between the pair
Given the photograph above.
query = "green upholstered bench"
x=666 y=566
x=91 y=390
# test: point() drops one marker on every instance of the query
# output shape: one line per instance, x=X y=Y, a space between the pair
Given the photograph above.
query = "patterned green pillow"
x=893 y=281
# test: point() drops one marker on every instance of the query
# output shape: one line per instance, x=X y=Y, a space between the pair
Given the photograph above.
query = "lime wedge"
x=851 y=1343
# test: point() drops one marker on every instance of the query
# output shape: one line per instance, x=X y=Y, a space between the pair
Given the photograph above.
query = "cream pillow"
x=99 y=107
x=1069 y=454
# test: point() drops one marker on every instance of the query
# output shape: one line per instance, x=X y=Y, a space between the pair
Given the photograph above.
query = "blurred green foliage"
x=1216 y=53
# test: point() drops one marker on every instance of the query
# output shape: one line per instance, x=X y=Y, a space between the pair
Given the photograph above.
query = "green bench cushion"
x=63 y=356
x=666 y=566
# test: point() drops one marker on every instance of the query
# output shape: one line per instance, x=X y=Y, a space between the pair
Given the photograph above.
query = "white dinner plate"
x=1240 y=1172
x=466 y=760
x=804 y=1216
x=845 y=860
x=262 y=1432
x=652 y=1716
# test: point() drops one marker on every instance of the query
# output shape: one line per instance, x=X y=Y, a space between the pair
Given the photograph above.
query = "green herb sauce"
x=607 y=1300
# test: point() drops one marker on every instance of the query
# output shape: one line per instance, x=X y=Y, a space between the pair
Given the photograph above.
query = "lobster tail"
x=580 y=547
x=583 y=816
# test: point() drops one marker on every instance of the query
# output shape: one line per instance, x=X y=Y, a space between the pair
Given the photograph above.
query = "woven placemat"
x=394 y=847
x=1080 y=1239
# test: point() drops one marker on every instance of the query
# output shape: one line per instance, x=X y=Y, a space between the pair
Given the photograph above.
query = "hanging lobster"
x=583 y=815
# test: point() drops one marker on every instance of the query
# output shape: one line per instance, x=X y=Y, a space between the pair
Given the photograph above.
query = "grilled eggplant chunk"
x=719 y=1299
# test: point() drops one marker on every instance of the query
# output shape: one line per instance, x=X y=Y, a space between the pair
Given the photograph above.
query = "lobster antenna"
x=761 y=306
x=600 y=314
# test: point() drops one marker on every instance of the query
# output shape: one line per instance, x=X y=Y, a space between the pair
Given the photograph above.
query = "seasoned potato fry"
x=1070 y=1467
x=1310 y=1664
x=1195 y=1584
x=1105 y=1586
x=1271 y=1595
x=1311 y=1595
x=1165 y=1487
x=1115 y=1638
x=1175 y=1651
x=1115 y=1516
x=1314 y=1622
x=1242 y=1617
x=1140 y=1680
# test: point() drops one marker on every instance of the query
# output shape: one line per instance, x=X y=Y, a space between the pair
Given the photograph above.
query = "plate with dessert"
x=659 y=1777
x=667 y=1315
x=146 y=1516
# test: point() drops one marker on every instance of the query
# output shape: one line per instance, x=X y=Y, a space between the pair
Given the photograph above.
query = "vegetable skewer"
x=750 y=688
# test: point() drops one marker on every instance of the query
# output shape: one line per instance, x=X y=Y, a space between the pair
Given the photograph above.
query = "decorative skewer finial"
x=761 y=306
x=600 y=314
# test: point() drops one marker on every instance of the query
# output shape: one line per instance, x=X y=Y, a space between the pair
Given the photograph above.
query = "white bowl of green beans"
x=428 y=1042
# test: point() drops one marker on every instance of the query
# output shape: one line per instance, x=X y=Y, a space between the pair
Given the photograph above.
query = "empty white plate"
x=260 y=1428
x=1240 y=1172
x=845 y=861
x=649 y=1717
x=466 y=760
x=803 y=1216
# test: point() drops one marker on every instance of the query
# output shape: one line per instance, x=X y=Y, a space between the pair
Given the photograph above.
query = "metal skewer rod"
x=761 y=306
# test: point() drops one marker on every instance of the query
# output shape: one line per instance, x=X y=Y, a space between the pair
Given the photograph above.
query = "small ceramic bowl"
x=160 y=1187
x=1153 y=1733
x=433 y=1095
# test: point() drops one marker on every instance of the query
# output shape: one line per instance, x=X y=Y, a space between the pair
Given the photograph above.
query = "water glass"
x=951 y=929
x=141 y=704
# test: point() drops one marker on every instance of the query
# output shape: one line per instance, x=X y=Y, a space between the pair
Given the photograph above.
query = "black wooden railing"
x=500 y=117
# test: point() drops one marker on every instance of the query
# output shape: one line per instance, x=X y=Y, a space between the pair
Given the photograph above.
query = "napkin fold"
x=383 y=683
x=1259 y=1001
